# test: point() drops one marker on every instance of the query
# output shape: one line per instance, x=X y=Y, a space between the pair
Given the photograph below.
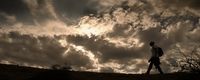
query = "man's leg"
x=159 y=69
x=149 y=68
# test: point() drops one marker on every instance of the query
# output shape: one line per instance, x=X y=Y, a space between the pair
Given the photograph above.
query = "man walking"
x=155 y=60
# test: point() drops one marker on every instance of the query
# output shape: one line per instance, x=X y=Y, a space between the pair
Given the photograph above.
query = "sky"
x=97 y=35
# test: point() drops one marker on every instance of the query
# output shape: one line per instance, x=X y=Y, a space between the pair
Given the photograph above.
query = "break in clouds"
x=97 y=35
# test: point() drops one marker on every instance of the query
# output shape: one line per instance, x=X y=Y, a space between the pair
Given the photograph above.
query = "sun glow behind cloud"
x=94 y=26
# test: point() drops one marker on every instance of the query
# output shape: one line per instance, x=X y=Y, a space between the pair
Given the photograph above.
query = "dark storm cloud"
x=182 y=3
x=120 y=30
x=77 y=59
x=38 y=11
x=152 y=34
x=41 y=10
x=72 y=10
x=28 y=49
x=43 y=51
x=26 y=11
x=105 y=50
x=16 y=8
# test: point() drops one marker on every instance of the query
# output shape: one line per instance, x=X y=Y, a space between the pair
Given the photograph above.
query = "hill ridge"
x=14 y=72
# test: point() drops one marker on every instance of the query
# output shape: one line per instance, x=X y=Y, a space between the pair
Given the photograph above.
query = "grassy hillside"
x=12 y=72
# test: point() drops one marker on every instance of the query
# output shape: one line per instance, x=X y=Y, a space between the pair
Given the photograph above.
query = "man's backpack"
x=160 y=52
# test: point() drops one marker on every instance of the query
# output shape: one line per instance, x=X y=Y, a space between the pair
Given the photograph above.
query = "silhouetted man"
x=154 y=60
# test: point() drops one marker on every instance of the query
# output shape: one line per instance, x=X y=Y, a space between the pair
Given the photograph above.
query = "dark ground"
x=13 y=72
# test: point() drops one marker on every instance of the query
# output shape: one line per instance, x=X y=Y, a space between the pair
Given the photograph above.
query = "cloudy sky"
x=97 y=35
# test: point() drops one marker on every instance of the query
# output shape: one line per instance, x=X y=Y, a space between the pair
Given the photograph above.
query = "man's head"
x=152 y=43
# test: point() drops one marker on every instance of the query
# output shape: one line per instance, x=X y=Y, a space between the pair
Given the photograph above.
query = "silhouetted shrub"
x=55 y=67
x=190 y=61
x=63 y=67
